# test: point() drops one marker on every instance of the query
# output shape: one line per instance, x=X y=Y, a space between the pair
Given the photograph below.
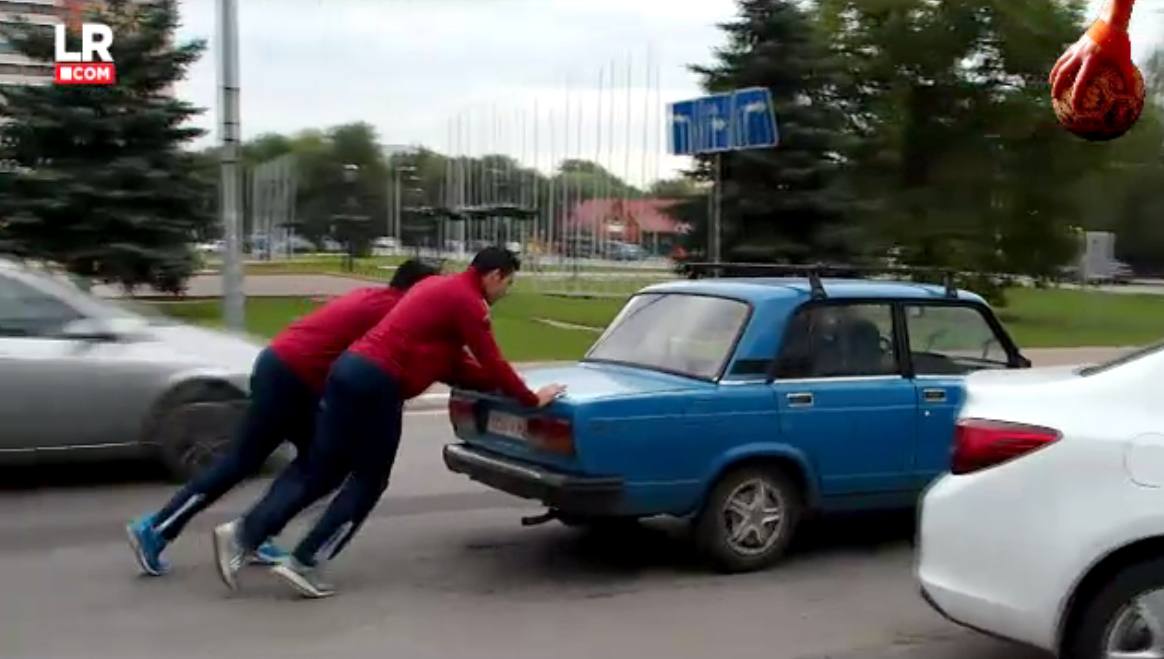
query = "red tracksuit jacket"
x=311 y=344
x=423 y=340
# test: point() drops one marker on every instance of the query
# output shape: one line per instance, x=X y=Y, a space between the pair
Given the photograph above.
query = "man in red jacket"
x=422 y=341
x=286 y=384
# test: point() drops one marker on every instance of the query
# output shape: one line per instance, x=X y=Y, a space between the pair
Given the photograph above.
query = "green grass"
x=521 y=338
x=1070 y=318
x=1036 y=319
x=591 y=312
x=265 y=315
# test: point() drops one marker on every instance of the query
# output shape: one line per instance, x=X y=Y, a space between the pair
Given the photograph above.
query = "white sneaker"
x=229 y=556
x=306 y=580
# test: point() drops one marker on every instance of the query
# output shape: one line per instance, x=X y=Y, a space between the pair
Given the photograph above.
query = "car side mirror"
x=89 y=329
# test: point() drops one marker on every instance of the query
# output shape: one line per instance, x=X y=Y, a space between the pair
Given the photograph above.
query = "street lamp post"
x=397 y=231
x=347 y=221
x=230 y=202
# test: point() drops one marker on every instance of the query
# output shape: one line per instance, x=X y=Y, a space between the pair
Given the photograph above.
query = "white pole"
x=536 y=161
x=566 y=183
x=552 y=198
x=646 y=126
x=234 y=301
x=659 y=123
x=611 y=192
x=578 y=200
x=626 y=166
x=599 y=229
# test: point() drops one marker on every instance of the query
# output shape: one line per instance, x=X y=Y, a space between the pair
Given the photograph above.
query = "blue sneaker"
x=268 y=553
x=147 y=545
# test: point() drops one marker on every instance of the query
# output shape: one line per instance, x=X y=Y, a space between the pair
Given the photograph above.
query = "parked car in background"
x=384 y=246
x=743 y=405
x=1049 y=530
x=331 y=245
x=1122 y=273
x=620 y=251
x=211 y=247
x=81 y=375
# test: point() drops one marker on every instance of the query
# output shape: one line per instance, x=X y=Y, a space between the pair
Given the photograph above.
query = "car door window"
x=839 y=340
x=952 y=340
x=26 y=311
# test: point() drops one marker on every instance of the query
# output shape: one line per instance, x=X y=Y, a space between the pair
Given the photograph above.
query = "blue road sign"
x=714 y=123
x=683 y=128
x=743 y=119
x=755 y=119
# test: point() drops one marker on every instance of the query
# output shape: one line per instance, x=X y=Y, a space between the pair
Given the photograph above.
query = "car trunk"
x=555 y=436
x=1026 y=396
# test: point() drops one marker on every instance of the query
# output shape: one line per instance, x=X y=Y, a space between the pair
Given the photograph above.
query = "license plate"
x=506 y=425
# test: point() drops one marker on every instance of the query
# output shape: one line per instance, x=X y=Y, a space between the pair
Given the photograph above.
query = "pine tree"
x=98 y=181
x=786 y=204
x=958 y=155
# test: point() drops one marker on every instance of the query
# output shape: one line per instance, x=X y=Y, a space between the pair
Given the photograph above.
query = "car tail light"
x=463 y=414
x=551 y=434
x=980 y=444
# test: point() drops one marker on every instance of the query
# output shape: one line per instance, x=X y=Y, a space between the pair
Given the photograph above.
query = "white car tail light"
x=980 y=443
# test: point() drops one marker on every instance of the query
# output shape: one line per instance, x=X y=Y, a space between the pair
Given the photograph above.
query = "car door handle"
x=934 y=395
x=799 y=400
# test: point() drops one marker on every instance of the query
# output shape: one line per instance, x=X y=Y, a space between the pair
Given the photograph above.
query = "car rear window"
x=687 y=334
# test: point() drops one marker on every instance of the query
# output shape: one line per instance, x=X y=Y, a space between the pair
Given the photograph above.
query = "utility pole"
x=230 y=193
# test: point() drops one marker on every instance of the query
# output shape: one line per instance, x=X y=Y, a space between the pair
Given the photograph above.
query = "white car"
x=1049 y=529
x=385 y=246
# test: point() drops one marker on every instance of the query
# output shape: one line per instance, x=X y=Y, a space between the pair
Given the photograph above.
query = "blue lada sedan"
x=743 y=405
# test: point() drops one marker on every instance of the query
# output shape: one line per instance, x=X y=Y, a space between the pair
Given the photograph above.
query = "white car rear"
x=1049 y=530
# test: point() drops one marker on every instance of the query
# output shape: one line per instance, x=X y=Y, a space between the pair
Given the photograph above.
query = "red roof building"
x=641 y=221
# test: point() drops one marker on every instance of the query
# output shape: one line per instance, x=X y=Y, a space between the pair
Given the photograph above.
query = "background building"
x=16 y=69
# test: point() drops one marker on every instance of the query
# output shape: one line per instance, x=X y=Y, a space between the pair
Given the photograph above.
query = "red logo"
x=85 y=73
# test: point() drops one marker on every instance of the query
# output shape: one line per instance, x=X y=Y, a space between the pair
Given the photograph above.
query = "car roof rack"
x=815 y=272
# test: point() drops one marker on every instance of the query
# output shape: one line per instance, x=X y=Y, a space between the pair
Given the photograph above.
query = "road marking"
x=426 y=413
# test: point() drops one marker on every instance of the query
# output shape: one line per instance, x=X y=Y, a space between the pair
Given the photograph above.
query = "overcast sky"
x=418 y=69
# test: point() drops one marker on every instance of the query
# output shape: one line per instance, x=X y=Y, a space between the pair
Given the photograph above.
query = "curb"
x=427 y=402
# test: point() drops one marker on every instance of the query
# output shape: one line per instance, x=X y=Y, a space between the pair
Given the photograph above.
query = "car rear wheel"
x=192 y=434
x=1125 y=620
x=749 y=519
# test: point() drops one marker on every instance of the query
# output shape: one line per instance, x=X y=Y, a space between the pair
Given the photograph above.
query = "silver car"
x=84 y=375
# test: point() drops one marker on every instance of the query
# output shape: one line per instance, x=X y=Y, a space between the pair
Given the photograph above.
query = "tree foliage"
x=789 y=204
x=923 y=129
x=97 y=179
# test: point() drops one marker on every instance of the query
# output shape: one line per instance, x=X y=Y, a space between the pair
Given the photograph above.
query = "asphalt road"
x=444 y=570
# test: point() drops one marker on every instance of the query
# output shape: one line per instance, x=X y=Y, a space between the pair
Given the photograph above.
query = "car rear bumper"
x=972 y=567
x=575 y=494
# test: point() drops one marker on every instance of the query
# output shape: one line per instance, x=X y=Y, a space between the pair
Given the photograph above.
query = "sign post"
x=734 y=121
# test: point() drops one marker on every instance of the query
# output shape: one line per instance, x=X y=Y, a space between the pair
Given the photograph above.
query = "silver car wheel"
x=753 y=516
x=1137 y=631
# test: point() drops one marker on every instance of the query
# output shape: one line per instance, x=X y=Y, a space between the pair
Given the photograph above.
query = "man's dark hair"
x=496 y=258
x=412 y=271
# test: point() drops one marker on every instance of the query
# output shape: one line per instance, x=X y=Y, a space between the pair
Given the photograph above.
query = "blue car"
x=743 y=405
